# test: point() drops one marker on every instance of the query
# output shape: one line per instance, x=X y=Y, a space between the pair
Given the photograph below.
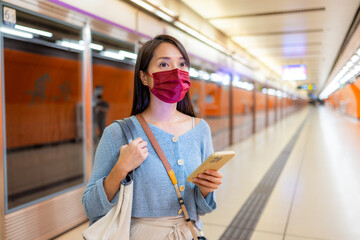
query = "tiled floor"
x=317 y=195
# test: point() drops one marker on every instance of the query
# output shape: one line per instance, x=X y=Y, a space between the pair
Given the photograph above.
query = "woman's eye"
x=183 y=64
x=163 y=64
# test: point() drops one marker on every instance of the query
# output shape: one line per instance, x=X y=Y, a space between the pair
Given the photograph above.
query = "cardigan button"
x=180 y=162
x=182 y=188
x=175 y=139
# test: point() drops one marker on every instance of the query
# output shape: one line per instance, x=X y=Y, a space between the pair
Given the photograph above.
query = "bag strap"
x=168 y=168
x=128 y=128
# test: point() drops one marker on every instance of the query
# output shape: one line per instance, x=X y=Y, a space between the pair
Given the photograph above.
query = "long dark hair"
x=141 y=92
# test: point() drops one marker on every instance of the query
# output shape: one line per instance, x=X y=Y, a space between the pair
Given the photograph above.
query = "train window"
x=43 y=96
x=113 y=73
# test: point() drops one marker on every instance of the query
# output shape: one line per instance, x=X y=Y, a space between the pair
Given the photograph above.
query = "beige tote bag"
x=115 y=225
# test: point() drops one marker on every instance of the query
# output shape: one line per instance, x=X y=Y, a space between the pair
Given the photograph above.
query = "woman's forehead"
x=167 y=50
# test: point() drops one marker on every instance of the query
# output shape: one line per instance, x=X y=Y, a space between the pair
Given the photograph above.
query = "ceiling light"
x=164 y=16
x=96 y=46
x=164 y=9
x=226 y=79
x=215 y=77
x=72 y=45
x=249 y=86
x=114 y=55
x=204 y=75
x=349 y=64
x=357 y=68
x=332 y=87
x=35 y=31
x=355 y=58
x=144 y=5
x=271 y=91
x=236 y=79
x=167 y=11
x=193 y=73
x=201 y=37
x=163 y=12
x=343 y=80
x=244 y=85
x=241 y=59
x=126 y=54
x=16 y=32
x=93 y=45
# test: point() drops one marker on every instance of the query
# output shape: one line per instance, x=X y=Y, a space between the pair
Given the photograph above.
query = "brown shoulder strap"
x=170 y=172
x=157 y=147
x=153 y=141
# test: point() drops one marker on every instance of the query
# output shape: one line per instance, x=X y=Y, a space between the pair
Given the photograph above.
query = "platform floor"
x=317 y=194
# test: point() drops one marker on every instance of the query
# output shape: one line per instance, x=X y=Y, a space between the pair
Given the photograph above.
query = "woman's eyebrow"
x=168 y=58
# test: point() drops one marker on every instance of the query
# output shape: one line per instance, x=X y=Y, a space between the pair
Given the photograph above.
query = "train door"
x=42 y=128
x=260 y=107
x=217 y=113
x=113 y=64
x=242 y=104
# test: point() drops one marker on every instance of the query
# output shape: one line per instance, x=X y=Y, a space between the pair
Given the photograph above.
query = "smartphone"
x=214 y=162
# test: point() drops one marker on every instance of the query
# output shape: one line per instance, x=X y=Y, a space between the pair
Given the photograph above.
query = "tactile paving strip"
x=244 y=223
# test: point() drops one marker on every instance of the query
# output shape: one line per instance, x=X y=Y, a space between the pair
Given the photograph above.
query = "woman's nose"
x=175 y=65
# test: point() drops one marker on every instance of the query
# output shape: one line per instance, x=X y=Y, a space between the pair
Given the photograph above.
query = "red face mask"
x=170 y=86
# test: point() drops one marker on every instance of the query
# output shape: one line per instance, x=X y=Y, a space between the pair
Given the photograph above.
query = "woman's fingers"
x=204 y=183
x=137 y=141
x=214 y=173
x=142 y=144
x=210 y=178
x=208 y=181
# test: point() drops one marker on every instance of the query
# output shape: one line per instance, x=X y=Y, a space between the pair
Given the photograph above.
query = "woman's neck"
x=159 y=111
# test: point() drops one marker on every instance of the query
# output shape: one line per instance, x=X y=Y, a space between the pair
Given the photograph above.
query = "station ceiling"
x=280 y=32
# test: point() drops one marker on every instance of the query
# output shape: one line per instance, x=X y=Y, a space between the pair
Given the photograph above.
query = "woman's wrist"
x=113 y=180
x=120 y=171
x=204 y=193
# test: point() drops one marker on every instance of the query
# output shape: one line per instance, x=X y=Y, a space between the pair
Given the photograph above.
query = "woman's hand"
x=132 y=155
x=208 y=181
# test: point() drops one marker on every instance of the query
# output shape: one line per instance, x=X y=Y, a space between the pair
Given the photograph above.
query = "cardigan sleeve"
x=207 y=204
x=94 y=198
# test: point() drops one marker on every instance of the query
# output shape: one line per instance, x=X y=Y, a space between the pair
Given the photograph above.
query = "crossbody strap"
x=168 y=168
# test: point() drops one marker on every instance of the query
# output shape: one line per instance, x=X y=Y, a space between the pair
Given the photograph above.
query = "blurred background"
x=261 y=72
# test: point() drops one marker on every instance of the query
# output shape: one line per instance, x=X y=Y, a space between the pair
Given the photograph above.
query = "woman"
x=161 y=83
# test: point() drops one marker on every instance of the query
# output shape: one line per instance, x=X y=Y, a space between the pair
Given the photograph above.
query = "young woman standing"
x=161 y=85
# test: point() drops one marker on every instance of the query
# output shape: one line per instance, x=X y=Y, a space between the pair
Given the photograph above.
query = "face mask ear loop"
x=148 y=74
x=151 y=77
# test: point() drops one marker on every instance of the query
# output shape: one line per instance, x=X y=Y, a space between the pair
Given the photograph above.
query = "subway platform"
x=295 y=180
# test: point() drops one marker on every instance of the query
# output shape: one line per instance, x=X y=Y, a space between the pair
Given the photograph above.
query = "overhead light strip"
x=347 y=74
x=14 y=32
x=155 y=8
x=114 y=55
x=200 y=37
x=35 y=31
x=72 y=45
x=167 y=15
x=126 y=54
